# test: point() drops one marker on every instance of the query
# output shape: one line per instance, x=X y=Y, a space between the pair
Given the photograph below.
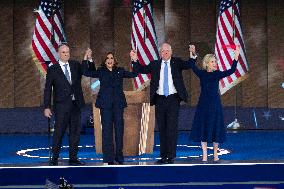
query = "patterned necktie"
x=66 y=73
x=166 y=81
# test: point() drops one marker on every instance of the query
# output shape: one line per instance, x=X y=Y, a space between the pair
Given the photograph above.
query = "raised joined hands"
x=88 y=54
x=133 y=55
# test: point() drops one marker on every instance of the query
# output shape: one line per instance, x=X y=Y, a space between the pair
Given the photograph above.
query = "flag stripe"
x=238 y=36
x=143 y=37
x=45 y=24
x=229 y=33
x=37 y=53
x=45 y=42
x=58 y=29
x=140 y=49
x=44 y=46
x=229 y=40
x=222 y=66
x=140 y=37
x=137 y=44
x=139 y=79
x=48 y=33
x=151 y=30
x=38 y=48
x=226 y=56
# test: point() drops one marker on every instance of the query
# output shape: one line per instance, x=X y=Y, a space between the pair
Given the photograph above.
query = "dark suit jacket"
x=62 y=90
x=154 y=67
x=111 y=85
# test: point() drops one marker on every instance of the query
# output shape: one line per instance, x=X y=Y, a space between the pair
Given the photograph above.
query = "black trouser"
x=167 y=110
x=112 y=118
x=67 y=115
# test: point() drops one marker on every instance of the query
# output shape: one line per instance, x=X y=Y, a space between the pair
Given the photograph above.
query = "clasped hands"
x=88 y=54
x=133 y=53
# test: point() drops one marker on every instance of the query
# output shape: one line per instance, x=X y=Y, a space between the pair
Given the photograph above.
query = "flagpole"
x=144 y=22
x=49 y=139
x=144 y=26
x=235 y=124
x=52 y=39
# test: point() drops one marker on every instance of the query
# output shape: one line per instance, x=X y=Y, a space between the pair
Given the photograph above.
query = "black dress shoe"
x=76 y=162
x=119 y=161
x=170 y=161
x=162 y=161
x=53 y=162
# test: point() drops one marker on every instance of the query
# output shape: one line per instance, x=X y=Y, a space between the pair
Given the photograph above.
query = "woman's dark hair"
x=103 y=64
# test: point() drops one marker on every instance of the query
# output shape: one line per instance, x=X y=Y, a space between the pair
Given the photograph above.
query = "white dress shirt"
x=172 y=89
x=63 y=69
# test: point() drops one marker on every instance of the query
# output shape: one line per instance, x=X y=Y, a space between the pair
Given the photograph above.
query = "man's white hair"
x=160 y=48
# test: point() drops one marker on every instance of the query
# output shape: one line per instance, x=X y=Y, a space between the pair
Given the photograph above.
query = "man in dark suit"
x=167 y=90
x=64 y=79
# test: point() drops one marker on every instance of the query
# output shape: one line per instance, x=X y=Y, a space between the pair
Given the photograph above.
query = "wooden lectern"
x=139 y=123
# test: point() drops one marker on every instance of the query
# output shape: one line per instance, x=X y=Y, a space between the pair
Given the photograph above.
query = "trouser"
x=112 y=119
x=167 y=110
x=67 y=115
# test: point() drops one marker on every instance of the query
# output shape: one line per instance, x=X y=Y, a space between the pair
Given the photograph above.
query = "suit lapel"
x=72 y=70
x=61 y=73
x=159 y=68
x=173 y=67
x=59 y=70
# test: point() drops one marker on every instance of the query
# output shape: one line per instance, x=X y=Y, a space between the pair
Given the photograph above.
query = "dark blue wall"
x=32 y=121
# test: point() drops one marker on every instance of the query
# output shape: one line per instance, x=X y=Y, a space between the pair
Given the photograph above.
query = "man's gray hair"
x=62 y=44
x=164 y=44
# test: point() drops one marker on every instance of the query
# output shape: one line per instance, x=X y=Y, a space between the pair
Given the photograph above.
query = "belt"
x=163 y=96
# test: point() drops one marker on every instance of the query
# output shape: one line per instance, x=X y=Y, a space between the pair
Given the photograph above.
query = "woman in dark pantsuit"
x=111 y=102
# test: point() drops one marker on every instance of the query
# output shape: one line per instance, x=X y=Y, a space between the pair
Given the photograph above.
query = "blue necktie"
x=66 y=73
x=166 y=80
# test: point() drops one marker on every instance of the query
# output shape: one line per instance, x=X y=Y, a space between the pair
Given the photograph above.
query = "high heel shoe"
x=216 y=160
x=204 y=162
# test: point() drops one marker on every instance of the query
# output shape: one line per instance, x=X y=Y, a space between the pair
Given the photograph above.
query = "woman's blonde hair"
x=206 y=60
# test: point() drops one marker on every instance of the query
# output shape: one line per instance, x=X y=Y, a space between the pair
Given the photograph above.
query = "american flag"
x=229 y=34
x=48 y=34
x=143 y=38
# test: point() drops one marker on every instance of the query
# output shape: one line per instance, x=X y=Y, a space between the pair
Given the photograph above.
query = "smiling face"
x=209 y=63
x=64 y=53
x=166 y=51
x=212 y=64
x=109 y=61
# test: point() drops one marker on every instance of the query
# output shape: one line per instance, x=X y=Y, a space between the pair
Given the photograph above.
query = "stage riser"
x=31 y=120
x=175 y=176
x=205 y=186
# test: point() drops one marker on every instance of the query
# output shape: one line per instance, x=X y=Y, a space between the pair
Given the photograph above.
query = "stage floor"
x=240 y=147
x=249 y=160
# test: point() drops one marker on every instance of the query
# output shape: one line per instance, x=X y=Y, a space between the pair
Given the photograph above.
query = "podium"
x=139 y=124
